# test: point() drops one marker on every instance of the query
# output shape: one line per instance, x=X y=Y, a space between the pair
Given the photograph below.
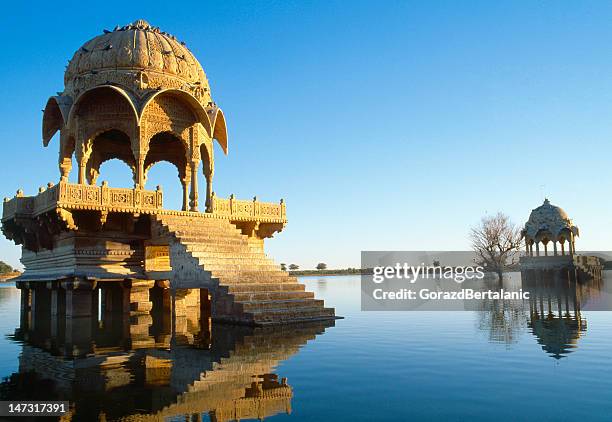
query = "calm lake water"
x=497 y=364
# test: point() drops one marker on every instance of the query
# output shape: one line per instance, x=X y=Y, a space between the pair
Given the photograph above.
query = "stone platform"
x=572 y=267
x=83 y=241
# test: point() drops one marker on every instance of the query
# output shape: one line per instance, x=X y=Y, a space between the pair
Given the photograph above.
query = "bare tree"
x=496 y=241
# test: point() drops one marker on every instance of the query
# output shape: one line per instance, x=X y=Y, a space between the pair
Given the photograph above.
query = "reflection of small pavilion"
x=555 y=304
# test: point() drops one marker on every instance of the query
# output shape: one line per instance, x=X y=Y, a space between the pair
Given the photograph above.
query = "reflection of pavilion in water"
x=170 y=362
x=555 y=304
x=553 y=312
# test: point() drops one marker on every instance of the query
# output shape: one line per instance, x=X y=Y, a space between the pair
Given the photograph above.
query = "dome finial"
x=141 y=24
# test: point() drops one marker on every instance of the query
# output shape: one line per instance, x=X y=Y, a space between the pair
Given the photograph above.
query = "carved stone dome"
x=139 y=57
x=548 y=218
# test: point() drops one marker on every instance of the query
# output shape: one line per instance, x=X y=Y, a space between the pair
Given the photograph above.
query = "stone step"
x=216 y=256
x=181 y=219
x=228 y=228
x=236 y=279
x=284 y=304
x=213 y=241
x=264 y=287
x=244 y=270
x=269 y=316
x=225 y=248
x=272 y=295
x=197 y=242
x=252 y=288
x=196 y=228
x=180 y=222
x=233 y=281
x=244 y=276
x=214 y=253
x=208 y=234
x=222 y=249
x=235 y=262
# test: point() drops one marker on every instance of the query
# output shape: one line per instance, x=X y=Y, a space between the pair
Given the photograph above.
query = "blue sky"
x=390 y=125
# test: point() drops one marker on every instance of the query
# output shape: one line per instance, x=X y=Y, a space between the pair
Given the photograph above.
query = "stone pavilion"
x=139 y=95
x=550 y=244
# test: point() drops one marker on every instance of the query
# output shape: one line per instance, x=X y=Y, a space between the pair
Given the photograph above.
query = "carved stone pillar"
x=562 y=246
x=58 y=306
x=185 y=181
x=208 y=167
x=79 y=297
x=139 y=299
x=186 y=307
x=209 y=193
x=41 y=301
x=92 y=176
x=83 y=152
x=140 y=148
x=139 y=183
x=65 y=155
x=26 y=310
x=26 y=297
x=65 y=165
x=193 y=204
x=78 y=316
x=55 y=298
x=140 y=305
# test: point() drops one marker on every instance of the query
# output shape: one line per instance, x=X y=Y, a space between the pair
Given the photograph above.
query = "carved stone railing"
x=73 y=196
x=239 y=209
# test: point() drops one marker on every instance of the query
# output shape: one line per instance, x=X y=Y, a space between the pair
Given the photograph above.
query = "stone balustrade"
x=239 y=209
x=74 y=196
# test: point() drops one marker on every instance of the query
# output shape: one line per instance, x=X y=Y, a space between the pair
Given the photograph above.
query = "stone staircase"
x=246 y=286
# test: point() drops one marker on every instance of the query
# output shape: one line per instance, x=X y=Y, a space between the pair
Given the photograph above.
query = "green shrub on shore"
x=5 y=268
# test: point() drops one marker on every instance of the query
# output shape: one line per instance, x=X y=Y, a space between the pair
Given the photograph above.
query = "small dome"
x=138 y=55
x=548 y=218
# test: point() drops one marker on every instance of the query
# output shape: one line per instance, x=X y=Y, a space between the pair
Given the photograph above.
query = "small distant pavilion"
x=549 y=225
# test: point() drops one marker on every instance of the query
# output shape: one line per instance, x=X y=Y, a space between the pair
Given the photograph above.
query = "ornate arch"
x=167 y=146
x=93 y=169
x=196 y=107
x=208 y=161
x=106 y=145
x=101 y=109
x=85 y=94
x=219 y=131
x=55 y=116
x=66 y=150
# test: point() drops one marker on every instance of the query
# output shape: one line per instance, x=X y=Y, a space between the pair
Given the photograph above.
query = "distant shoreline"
x=347 y=271
x=8 y=278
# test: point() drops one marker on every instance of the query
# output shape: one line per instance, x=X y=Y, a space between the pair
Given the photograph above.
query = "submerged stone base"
x=570 y=267
x=115 y=356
